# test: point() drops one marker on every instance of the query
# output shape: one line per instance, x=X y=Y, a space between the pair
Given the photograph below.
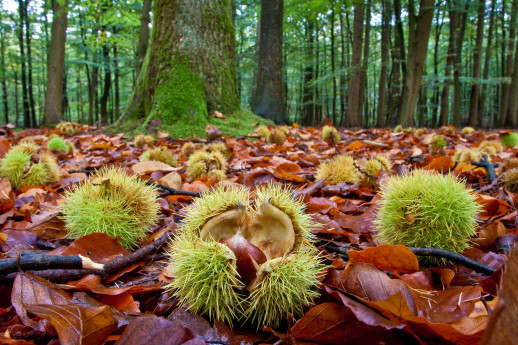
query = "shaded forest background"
x=343 y=60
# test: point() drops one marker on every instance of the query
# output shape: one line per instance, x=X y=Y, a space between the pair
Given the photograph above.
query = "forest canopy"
x=369 y=63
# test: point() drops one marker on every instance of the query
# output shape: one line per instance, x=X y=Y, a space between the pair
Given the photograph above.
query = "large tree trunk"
x=398 y=69
x=353 y=118
x=56 y=63
x=268 y=97
x=365 y=66
x=189 y=69
x=143 y=38
x=418 y=35
x=385 y=46
x=445 y=94
x=477 y=58
x=457 y=59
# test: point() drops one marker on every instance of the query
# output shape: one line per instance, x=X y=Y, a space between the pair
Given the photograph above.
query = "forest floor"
x=376 y=294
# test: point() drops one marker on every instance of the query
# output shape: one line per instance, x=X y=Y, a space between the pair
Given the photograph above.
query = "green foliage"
x=426 y=209
x=509 y=139
x=113 y=203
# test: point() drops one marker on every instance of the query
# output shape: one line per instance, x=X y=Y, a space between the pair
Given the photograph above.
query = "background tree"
x=268 y=94
x=189 y=70
x=56 y=63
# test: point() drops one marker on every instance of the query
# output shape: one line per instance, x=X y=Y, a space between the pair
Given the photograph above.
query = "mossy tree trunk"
x=189 y=70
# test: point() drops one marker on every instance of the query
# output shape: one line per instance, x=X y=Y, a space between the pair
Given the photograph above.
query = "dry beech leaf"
x=152 y=330
x=440 y=164
x=368 y=282
x=30 y=289
x=76 y=324
x=173 y=180
x=397 y=258
x=332 y=323
x=355 y=145
x=148 y=167
x=501 y=329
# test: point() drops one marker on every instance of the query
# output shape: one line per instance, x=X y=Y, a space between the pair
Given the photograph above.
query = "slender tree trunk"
x=353 y=100
x=64 y=100
x=16 y=105
x=419 y=33
x=143 y=38
x=116 y=80
x=477 y=57
x=457 y=59
x=435 y=102
x=385 y=46
x=398 y=69
x=28 y=34
x=445 y=95
x=107 y=84
x=513 y=92
x=365 y=65
x=485 y=73
x=25 y=95
x=308 y=114
x=333 y=66
x=56 y=63
x=343 y=84
x=268 y=98
x=2 y=69
x=504 y=105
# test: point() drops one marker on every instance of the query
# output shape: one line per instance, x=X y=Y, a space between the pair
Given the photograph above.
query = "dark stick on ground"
x=39 y=262
x=428 y=251
x=110 y=267
x=488 y=166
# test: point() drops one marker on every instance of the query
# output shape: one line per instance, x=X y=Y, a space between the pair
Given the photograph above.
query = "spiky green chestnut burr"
x=398 y=129
x=338 y=170
x=438 y=141
x=205 y=277
x=284 y=286
x=235 y=262
x=490 y=147
x=141 y=140
x=58 y=143
x=374 y=166
x=427 y=209
x=509 y=139
x=510 y=179
x=161 y=154
x=113 y=203
x=330 y=134
x=22 y=166
x=468 y=130
x=262 y=131
x=202 y=163
x=277 y=135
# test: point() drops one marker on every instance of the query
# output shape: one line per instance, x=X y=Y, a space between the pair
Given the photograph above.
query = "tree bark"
x=513 y=92
x=308 y=112
x=365 y=66
x=353 y=118
x=268 y=97
x=504 y=104
x=3 y=71
x=457 y=59
x=333 y=65
x=29 y=64
x=418 y=35
x=385 y=46
x=25 y=96
x=189 y=69
x=56 y=63
x=477 y=58
x=143 y=38
x=398 y=69
x=485 y=73
x=445 y=94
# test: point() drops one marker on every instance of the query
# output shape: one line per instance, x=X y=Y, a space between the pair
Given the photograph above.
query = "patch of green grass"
x=241 y=122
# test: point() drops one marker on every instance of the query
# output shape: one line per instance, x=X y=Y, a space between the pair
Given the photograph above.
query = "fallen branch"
x=110 y=267
x=39 y=262
x=488 y=166
x=428 y=251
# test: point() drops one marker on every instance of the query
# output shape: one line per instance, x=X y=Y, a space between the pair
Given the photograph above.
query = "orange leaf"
x=440 y=164
x=150 y=167
x=397 y=258
x=355 y=145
